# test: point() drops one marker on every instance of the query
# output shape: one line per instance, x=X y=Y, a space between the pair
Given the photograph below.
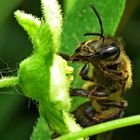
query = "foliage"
x=42 y=75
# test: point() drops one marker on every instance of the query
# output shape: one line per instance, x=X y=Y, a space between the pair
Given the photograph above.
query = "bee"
x=110 y=75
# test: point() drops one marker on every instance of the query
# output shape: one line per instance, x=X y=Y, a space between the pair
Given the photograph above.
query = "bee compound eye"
x=108 y=52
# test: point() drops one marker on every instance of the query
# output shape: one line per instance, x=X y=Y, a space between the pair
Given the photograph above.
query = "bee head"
x=107 y=50
x=84 y=52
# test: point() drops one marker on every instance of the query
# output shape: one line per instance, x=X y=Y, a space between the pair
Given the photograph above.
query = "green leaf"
x=29 y=23
x=70 y=122
x=82 y=19
x=68 y=5
x=41 y=130
x=43 y=42
x=57 y=79
x=44 y=76
x=52 y=14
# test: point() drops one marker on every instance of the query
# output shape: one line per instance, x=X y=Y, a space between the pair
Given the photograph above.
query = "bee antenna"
x=101 y=34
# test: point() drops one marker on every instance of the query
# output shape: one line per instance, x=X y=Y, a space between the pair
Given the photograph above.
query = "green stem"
x=9 y=81
x=107 y=126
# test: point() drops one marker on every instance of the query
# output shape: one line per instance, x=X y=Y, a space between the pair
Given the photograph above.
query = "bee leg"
x=84 y=73
x=83 y=93
x=64 y=56
x=96 y=93
x=79 y=92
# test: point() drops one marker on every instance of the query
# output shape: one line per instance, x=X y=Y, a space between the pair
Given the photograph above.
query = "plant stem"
x=9 y=81
x=107 y=126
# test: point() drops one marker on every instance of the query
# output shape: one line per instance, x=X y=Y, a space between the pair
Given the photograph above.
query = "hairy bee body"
x=111 y=75
x=108 y=70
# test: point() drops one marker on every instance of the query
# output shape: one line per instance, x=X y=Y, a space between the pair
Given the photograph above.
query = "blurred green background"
x=17 y=113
